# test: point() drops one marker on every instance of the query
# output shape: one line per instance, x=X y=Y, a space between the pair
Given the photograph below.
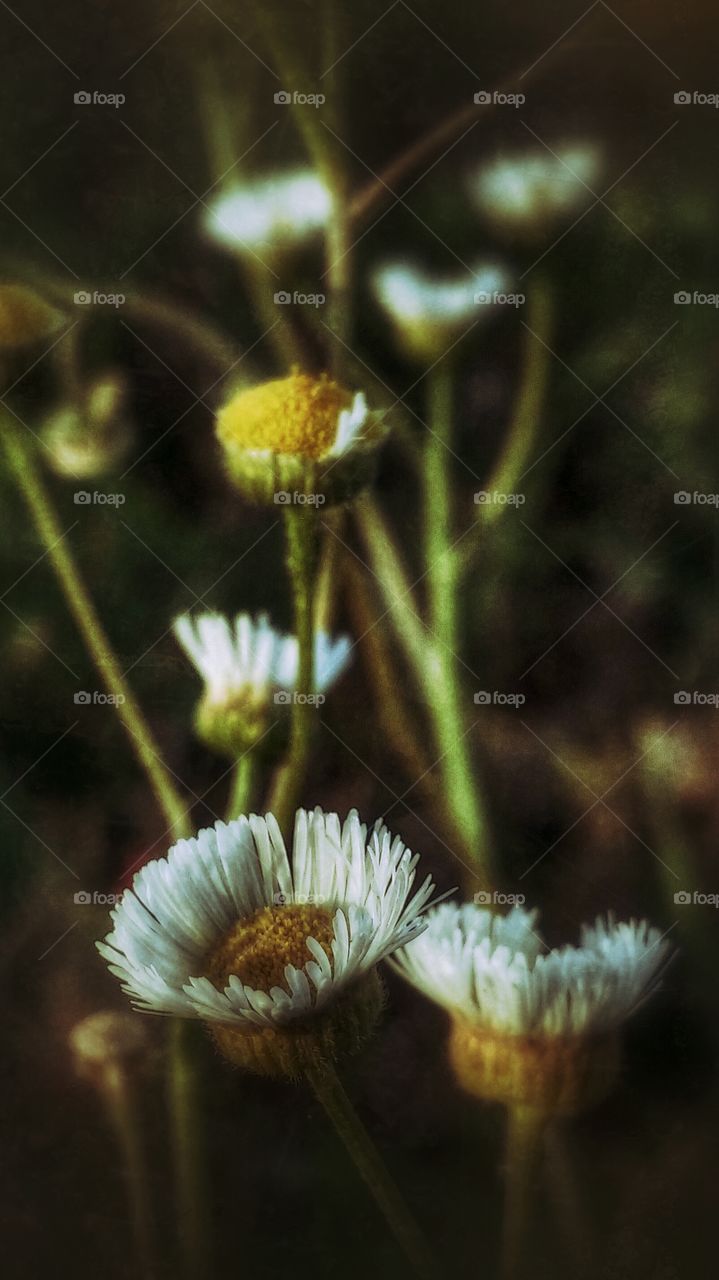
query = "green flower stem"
x=371 y=1168
x=302 y=542
x=395 y=585
x=188 y=1161
x=83 y=610
x=448 y=702
x=243 y=779
x=525 y=1128
x=122 y=1110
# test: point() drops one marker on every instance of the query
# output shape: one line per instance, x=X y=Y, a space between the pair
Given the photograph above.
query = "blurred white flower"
x=273 y=212
x=428 y=311
x=248 y=654
x=537 y=187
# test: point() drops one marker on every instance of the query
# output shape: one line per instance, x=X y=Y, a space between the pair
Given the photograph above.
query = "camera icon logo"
x=282 y=497
x=682 y=698
x=482 y=698
x=682 y=498
x=283 y=98
x=81 y=699
x=82 y=97
x=482 y=898
x=682 y=298
x=283 y=298
x=683 y=898
x=82 y=298
x=81 y=498
x=682 y=98
x=82 y=898
x=482 y=298
x=283 y=697
x=482 y=97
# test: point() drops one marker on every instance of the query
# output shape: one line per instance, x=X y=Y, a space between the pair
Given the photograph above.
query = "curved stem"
x=83 y=610
x=242 y=784
x=371 y=1168
x=525 y=1126
x=122 y=1111
x=394 y=583
x=302 y=552
x=447 y=702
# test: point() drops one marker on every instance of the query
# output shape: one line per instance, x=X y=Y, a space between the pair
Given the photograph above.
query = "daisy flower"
x=428 y=312
x=530 y=1025
x=271 y=213
x=302 y=440
x=536 y=188
x=277 y=955
x=247 y=665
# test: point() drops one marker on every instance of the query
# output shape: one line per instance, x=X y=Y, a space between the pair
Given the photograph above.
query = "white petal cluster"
x=538 y=184
x=412 y=297
x=248 y=653
x=180 y=907
x=350 y=425
x=272 y=212
x=494 y=970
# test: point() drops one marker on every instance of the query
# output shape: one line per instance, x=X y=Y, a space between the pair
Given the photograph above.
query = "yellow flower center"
x=25 y=317
x=258 y=949
x=298 y=414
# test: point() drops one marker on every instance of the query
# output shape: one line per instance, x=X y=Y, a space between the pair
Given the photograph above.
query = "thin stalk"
x=302 y=553
x=525 y=1126
x=243 y=779
x=339 y=237
x=395 y=585
x=447 y=700
x=93 y=633
x=188 y=1162
x=371 y=1168
x=122 y=1111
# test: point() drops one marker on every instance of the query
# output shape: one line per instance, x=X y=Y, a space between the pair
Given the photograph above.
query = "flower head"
x=91 y=439
x=277 y=956
x=300 y=437
x=531 y=190
x=532 y=1026
x=244 y=663
x=271 y=213
x=428 y=312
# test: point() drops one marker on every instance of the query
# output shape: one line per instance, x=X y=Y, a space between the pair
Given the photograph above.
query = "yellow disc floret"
x=257 y=950
x=296 y=415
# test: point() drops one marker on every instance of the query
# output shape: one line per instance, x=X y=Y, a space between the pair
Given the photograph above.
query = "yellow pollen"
x=258 y=949
x=298 y=414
